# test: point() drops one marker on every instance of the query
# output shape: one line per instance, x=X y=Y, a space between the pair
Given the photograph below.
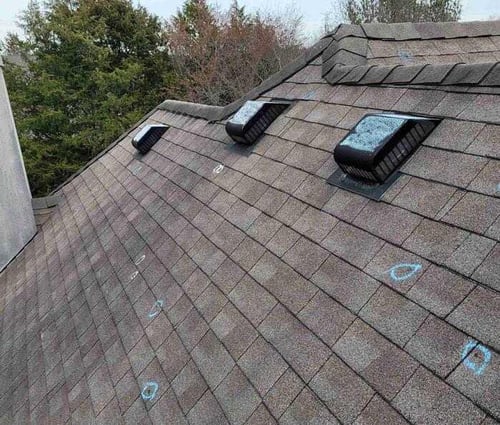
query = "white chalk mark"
x=218 y=169
x=140 y=260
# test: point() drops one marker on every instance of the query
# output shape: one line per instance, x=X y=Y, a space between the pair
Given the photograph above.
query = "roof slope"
x=256 y=293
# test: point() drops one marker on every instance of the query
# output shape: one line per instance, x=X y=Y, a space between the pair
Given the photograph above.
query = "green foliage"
x=91 y=69
x=363 y=11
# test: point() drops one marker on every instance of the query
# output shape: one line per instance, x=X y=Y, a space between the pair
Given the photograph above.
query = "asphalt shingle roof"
x=167 y=289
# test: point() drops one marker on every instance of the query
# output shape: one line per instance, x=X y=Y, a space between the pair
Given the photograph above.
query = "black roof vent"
x=148 y=136
x=379 y=144
x=247 y=125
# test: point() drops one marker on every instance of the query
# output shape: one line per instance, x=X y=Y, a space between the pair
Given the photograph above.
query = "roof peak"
x=349 y=58
x=417 y=30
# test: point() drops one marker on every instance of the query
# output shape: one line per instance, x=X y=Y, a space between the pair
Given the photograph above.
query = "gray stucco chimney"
x=17 y=223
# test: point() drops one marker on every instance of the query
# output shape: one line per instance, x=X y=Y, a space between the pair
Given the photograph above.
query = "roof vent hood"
x=148 y=136
x=380 y=143
x=373 y=151
x=253 y=118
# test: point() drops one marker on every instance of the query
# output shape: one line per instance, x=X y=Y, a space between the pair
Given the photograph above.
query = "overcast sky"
x=313 y=11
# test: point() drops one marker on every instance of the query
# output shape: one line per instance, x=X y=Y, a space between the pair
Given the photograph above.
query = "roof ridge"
x=486 y=74
x=417 y=31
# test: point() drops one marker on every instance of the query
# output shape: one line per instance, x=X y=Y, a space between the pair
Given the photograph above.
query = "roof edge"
x=103 y=152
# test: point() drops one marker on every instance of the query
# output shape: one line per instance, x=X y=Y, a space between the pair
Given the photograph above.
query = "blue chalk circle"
x=149 y=390
x=310 y=94
x=477 y=368
x=404 y=271
x=140 y=260
x=405 y=56
x=155 y=311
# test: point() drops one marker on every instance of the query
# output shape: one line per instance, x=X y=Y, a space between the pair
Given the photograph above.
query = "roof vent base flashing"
x=360 y=187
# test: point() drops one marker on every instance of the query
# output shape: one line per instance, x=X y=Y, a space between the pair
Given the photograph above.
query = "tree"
x=219 y=56
x=91 y=69
x=363 y=11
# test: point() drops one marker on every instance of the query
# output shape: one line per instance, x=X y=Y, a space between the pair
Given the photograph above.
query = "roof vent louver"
x=148 y=136
x=373 y=151
x=248 y=124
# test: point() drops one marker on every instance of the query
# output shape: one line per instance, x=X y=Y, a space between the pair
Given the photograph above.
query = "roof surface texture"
x=168 y=289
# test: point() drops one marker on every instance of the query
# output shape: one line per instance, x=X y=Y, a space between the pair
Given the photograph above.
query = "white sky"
x=312 y=10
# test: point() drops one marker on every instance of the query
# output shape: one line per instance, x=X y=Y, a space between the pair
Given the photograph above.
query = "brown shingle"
x=437 y=345
x=304 y=351
x=237 y=397
x=427 y=399
x=345 y=393
x=393 y=316
x=344 y=283
x=307 y=408
x=435 y=241
x=352 y=244
x=440 y=291
x=386 y=367
x=326 y=318
x=478 y=315
x=263 y=365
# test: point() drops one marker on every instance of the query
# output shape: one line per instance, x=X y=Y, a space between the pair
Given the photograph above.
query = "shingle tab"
x=341 y=389
x=426 y=399
x=482 y=388
x=393 y=315
x=299 y=346
x=386 y=367
x=438 y=346
x=479 y=316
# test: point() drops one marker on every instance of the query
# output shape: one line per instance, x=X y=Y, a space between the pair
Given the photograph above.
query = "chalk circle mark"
x=310 y=95
x=218 y=169
x=470 y=360
x=155 y=311
x=140 y=260
x=133 y=275
x=149 y=390
x=404 y=271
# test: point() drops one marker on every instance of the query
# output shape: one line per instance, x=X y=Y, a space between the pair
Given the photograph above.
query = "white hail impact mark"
x=133 y=275
x=218 y=169
x=140 y=260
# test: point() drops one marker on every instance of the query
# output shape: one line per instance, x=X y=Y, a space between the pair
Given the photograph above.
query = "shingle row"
x=478 y=74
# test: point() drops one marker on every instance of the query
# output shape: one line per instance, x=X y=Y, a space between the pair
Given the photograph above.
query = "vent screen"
x=248 y=124
x=379 y=144
x=148 y=136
